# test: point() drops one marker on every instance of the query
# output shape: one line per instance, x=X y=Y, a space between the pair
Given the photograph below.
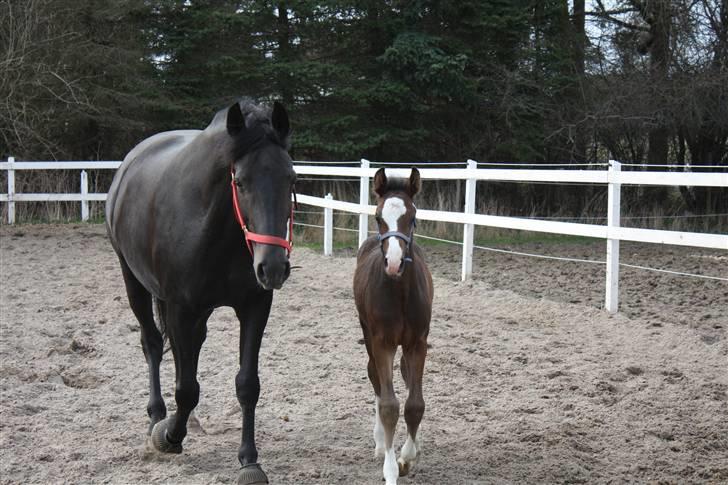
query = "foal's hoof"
x=404 y=467
x=252 y=474
x=161 y=442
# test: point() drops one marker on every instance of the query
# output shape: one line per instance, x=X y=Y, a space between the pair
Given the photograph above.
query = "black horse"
x=199 y=221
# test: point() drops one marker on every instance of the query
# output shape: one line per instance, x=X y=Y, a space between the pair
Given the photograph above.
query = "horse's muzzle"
x=394 y=269
x=272 y=267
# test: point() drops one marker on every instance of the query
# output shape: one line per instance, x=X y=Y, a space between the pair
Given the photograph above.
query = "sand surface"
x=528 y=380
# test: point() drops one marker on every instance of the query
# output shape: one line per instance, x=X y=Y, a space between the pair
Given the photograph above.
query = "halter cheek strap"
x=250 y=236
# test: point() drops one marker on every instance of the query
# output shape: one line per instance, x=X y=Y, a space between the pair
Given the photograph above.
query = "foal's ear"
x=235 y=120
x=279 y=120
x=415 y=184
x=380 y=182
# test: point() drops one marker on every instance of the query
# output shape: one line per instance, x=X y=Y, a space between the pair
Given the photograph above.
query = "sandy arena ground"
x=527 y=380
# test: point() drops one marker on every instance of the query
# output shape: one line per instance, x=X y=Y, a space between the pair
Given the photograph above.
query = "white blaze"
x=409 y=450
x=393 y=209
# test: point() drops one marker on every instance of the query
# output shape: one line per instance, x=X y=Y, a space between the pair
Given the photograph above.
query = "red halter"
x=251 y=237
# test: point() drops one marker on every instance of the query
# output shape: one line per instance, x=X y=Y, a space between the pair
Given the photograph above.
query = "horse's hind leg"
x=187 y=330
x=387 y=405
x=412 y=365
x=140 y=301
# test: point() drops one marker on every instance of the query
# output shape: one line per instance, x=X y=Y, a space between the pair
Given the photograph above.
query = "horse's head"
x=263 y=179
x=396 y=218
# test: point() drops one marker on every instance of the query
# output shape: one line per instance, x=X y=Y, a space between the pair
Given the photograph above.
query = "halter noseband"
x=399 y=235
x=250 y=236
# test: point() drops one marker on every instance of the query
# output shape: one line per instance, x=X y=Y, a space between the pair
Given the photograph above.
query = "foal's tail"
x=160 y=321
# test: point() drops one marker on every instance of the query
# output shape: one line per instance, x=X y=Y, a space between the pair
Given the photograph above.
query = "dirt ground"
x=528 y=380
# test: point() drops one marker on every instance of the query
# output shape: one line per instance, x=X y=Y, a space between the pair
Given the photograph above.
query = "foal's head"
x=396 y=218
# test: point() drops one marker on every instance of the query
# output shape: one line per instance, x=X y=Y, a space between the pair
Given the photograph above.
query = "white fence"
x=612 y=231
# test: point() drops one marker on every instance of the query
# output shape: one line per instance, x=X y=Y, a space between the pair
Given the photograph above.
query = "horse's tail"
x=160 y=322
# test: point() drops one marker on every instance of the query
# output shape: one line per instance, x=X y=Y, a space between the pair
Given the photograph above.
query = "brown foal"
x=393 y=295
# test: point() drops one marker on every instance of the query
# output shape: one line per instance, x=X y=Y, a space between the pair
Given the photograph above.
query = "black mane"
x=258 y=128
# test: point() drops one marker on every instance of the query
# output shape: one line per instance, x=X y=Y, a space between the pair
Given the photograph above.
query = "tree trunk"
x=580 y=137
x=658 y=16
x=284 y=54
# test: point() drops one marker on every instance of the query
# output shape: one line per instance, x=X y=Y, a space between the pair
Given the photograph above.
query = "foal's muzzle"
x=393 y=271
x=392 y=268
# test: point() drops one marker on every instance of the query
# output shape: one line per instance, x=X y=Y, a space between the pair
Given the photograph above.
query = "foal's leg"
x=140 y=301
x=387 y=406
x=412 y=365
x=253 y=318
x=187 y=331
x=378 y=432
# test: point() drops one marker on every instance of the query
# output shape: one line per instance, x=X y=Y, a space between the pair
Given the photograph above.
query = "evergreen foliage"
x=389 y=80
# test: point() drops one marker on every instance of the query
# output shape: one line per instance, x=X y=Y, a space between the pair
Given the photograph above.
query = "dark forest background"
x=536 y=81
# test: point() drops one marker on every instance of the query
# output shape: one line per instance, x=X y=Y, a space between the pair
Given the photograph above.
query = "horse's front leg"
x=387 y=405
x=253 y=318
x=187 y=330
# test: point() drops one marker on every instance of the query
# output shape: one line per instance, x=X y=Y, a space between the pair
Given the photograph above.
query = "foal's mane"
x=396 y=185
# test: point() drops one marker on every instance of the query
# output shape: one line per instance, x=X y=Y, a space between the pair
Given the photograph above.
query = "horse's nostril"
x=386 y=261
x=260 y=272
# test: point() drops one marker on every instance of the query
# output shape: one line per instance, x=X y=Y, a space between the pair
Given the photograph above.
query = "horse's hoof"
x=252 y=474
x=404 y=467
x=161 y=442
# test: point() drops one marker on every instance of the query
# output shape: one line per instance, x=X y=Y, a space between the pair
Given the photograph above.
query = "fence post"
x=84 y=193
x=11 y=190
x=364 y=202
x=611 y=300
x=469 y=229
x=328 y=228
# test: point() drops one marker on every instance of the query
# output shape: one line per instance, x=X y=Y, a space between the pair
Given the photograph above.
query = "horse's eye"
x=242 y=180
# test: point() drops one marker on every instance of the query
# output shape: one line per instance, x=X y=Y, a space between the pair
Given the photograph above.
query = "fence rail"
x=614 y=178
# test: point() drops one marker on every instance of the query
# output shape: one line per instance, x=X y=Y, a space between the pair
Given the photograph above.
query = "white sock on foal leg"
x=390 y=469
x=378 y=431
x=409 y=451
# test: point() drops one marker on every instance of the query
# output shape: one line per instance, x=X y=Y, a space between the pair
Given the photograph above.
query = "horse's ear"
x=235 y=120
x=415 y=184
x=279 y=119
x=380 y=182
